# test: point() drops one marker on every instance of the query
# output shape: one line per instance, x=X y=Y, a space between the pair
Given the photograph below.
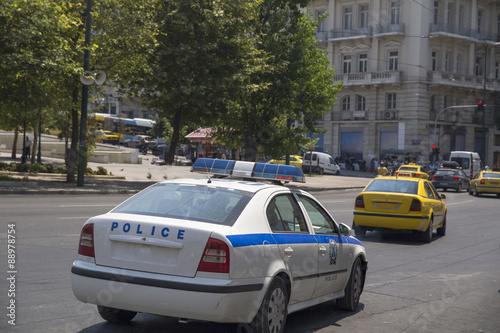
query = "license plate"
x=494 y=183
x=387 y=205
x=404 y=174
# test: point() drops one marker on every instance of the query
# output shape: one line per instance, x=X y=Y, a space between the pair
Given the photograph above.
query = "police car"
x=224 y=248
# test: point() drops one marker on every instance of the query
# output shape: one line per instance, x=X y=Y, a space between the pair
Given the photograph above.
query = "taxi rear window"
x=491 y=175
x=188 y=202
x=393 y=185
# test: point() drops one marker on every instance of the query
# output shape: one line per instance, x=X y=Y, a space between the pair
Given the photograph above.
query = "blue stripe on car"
x=284 y=238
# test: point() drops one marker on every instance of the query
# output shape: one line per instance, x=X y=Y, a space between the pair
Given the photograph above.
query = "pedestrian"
x=27 y=147
x=375 y=166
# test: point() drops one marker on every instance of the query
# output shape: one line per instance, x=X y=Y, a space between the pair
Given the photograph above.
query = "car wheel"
x=459 y=188
x=115 y=315
x=271 y=317
x=353 y=289
x=445 y=189
x=359 y=231
x=476 y=193
x=442 y=230
x=125 y=144
x=470 y=190
x=338 y=172
x=321 y=171
x=427 y=234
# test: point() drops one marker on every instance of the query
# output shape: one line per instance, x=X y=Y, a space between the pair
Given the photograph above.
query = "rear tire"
x=115 y=316
x=459 y=188
x=271 y=317
x=476 y=193
x=353 y=289
x=427 y=234
x=359 y=231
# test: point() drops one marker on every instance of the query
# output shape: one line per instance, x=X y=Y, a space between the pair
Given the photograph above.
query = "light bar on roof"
x=243 y=169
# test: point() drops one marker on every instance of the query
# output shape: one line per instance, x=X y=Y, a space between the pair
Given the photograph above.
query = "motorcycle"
x=349 y=163
x=362 y=165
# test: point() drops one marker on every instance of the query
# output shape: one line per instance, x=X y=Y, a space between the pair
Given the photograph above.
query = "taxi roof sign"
x=244 y=169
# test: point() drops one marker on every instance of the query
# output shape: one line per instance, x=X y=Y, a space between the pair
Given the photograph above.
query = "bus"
x=125 y=128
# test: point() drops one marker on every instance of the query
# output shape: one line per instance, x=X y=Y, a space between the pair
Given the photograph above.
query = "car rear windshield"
x=445 y=172
x=491 y=175
x=393 y=185
x=408 y=169
x=188 y=202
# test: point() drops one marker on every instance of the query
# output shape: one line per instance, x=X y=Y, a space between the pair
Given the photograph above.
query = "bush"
x=89 y=171
x=60 y=168
x=4 y=166
x=37 y=167
x=101 y=171
x=19 y=167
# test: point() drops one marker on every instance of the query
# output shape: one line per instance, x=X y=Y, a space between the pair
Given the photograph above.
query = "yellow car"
x=400 y=203
x=106 y=137
x=294 y=160
x=412 y=170
x=485 y=182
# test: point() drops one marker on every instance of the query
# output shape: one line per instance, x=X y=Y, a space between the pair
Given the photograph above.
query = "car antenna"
x=209 y=181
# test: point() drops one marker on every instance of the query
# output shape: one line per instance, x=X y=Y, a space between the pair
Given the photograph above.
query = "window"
x=436 y=12
x=360 y=103
x=446 y=62
x=321 y=22
x=346 y=103
x=479 y=23
x=395 y=11
x=496 y=70
x=284 y=215
x=429 y=191
x=322 y=222
x=364 y=19
x=478 y=66
x=434 y=61
x=391 y=101
x=346 y=64
x=459 y=64
x=363 y=63
x=348 y=18
x=393 y=60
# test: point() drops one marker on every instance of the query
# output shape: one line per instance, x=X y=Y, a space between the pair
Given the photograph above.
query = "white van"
x=319 y=163
x=469 y=161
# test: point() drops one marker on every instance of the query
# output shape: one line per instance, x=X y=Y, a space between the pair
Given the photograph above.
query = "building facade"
x=412 y=74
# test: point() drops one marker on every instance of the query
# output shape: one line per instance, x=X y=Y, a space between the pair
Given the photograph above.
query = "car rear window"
x=188 y=202
x=491 y=175
x=445 y=172
x=393 y=185
x=408 y=169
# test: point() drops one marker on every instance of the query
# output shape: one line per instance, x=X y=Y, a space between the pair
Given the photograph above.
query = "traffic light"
x=434 y=149
x=480 y=106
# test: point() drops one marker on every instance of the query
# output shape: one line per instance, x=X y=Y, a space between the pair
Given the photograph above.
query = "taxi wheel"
x=427 y=234
x=476 y=193
x=115 y=315
x=442 y=230
x=353 y=289
x=359 y=231
x=271 y=317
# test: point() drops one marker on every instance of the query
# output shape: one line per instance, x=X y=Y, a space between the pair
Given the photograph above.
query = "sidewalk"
x=132 y=178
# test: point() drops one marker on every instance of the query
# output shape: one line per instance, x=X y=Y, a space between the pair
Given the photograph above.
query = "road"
x=449 y=285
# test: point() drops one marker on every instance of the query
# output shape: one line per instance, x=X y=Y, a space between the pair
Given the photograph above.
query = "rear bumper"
x=488 y=189
x=391 y=221
x=445 y=185
x=217 y=300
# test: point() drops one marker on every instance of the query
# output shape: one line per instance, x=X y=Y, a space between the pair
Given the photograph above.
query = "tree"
x=292 y=90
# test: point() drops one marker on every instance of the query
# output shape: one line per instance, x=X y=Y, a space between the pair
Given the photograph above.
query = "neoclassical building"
x=413 y=72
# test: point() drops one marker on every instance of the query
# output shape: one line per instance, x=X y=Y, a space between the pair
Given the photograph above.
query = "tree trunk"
x=14 y=143
x=35 y=136
x=169 y=159
x=72 y=153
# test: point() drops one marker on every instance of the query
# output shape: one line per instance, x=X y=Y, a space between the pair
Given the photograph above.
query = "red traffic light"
x=433 y=146
x=480 y=103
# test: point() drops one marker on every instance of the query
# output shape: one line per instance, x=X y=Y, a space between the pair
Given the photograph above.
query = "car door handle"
x=288 y=251
x=322 y=250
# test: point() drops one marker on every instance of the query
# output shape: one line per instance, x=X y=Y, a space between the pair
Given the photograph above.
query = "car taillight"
x=396 y=173
x=86 y=247
x=434 y=177
x=482 y=181
x=215 y=257
x=360 y=203
x=456 y=177
x=417 y=175
x=416 y=206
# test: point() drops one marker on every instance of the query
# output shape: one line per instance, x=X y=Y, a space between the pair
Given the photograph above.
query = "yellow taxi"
x=295 y=160
x=400 y=203
x=485 y=182
x=106 y=137
x=412 y=170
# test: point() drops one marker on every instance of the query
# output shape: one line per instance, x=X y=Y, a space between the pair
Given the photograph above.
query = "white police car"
x=222 y=249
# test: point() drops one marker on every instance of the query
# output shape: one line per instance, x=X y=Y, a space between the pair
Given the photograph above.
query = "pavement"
x=132 y=178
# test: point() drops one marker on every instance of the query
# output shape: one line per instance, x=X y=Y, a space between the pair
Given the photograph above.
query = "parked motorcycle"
x=349 y=163
x=362 y=165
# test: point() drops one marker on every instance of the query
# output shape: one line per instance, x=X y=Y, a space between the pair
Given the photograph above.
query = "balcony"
x=352 y=33
x=322 y=36
x=389 y=29
x=462 y=81
x=359 y=79
x=449 y=30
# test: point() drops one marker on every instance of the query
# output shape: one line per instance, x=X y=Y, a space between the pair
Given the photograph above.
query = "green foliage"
x=101 y=171
x=19 y=167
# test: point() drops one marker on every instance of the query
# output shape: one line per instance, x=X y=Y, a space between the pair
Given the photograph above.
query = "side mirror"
x=443 y=196
x=345 y=230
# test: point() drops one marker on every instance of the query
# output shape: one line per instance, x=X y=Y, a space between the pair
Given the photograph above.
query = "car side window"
x=428 y=190
x=284 y=215
x=322 y=222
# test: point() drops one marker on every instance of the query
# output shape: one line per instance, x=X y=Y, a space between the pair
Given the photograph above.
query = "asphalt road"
x=449 y=285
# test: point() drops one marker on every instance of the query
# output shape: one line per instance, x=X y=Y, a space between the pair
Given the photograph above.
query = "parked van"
x=319 y=163
x=469 y=161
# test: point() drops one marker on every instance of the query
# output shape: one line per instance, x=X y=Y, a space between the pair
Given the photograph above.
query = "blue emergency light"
x=243 y=169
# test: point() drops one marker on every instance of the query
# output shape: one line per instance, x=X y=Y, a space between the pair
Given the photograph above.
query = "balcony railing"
x=464 y=32
x=390 y=29
x=322 y=36
x=384 y=77
x=462 y=80
x=350 y=33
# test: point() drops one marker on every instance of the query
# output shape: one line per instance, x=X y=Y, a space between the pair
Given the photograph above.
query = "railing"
x=350 y=33
x=369 y=77
x=390 y=28
x=463 y=31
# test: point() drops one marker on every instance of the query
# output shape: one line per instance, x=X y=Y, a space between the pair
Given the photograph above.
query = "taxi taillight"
x=215 y=257
x=416 y=206
x=360 y=203
x=434 y=177
x=86 y=246
x=482 y=181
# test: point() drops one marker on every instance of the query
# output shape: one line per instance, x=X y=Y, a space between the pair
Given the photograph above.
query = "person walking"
x=27 y=147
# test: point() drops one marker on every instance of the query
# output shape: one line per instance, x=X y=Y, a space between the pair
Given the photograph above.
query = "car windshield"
x=393 y=185
x=491 y=175
x=188 y=202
